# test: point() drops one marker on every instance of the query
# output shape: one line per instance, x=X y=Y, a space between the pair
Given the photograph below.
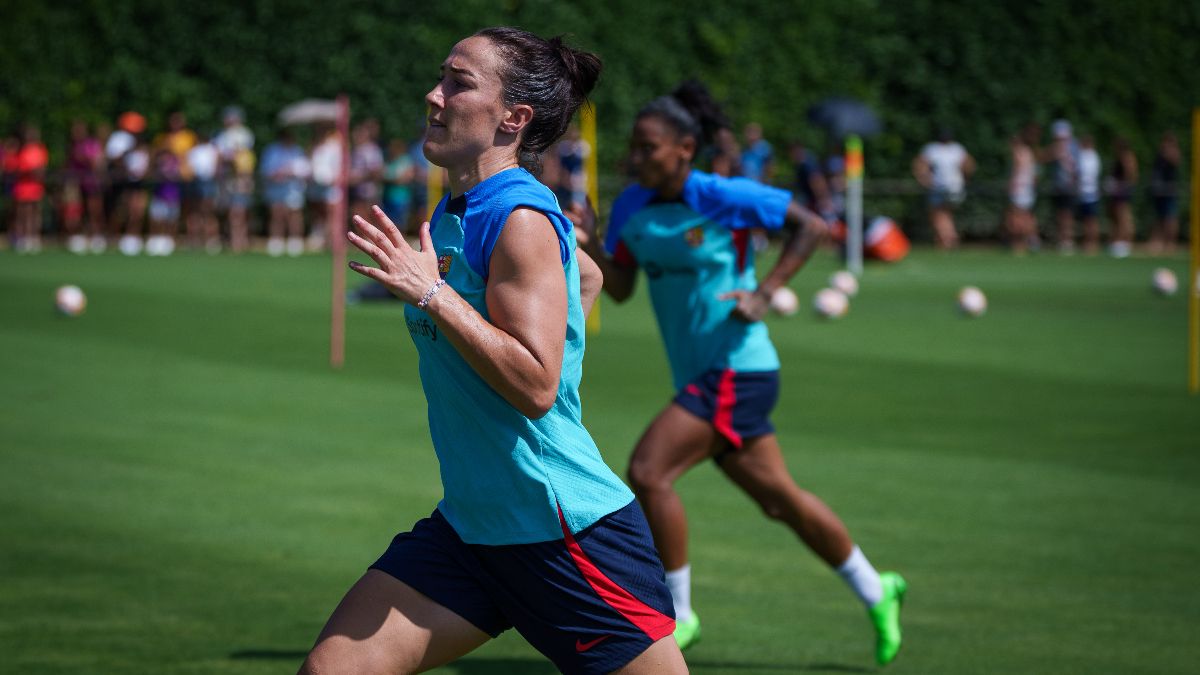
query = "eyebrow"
x=458 y=70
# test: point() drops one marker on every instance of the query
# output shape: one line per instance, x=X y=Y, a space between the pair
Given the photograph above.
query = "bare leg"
x=384 y=626
x=1066 y=228
x=760 y=470
x=662 y=657
x=943 y=227
x=675 y=442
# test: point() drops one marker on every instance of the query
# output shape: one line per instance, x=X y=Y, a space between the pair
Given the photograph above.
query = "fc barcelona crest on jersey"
x=444 y=264
x=694 y=236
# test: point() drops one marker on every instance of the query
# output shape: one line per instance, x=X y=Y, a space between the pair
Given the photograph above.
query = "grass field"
x=186 y=487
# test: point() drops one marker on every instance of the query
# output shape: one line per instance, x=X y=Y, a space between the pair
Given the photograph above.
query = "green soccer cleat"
x=687 y=633
x=885 y=616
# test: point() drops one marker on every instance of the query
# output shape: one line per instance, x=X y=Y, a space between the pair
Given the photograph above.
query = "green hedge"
x=1119 y=67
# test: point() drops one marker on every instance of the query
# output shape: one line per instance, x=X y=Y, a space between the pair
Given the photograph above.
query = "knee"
x=646 y=479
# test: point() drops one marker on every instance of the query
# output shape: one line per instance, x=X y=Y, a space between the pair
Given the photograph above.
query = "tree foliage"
x=1120 y=67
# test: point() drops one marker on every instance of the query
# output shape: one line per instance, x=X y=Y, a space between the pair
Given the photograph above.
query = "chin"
x=433 y=152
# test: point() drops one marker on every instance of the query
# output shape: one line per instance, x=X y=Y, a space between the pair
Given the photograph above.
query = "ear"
x=516 y=118
x=687 y=147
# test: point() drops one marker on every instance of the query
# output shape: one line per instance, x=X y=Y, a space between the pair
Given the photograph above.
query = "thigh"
x=676 y=441
x=385 y=626
x=660 y=658
x=759 y=468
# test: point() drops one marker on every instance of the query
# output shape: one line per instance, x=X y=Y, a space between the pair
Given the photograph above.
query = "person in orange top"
x=28 y=190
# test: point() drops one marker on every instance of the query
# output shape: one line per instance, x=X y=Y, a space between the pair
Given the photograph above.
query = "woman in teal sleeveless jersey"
x=534 y=531
x=688 y=231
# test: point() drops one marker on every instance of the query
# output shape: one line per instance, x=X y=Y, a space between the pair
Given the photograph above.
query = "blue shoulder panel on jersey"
x=491 y=202
x=736 y=203
x=630 y=201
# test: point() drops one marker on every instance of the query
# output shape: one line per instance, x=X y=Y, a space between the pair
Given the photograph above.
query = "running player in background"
x=688 y=231
x=534 y=531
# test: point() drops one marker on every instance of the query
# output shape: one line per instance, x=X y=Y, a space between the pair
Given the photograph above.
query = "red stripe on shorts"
x=723 y=415
x=649 y=620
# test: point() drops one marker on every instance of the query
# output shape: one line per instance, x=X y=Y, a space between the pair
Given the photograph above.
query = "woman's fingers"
x=426 y=238
x=369 y=248
x=369 y=231
x=389 y=228
x=369 y=272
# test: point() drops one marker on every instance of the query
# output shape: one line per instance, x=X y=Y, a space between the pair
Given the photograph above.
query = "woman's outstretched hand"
x=407 y=272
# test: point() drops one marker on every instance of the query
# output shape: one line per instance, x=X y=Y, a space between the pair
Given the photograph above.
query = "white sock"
x=862 y=578
x=680 y=583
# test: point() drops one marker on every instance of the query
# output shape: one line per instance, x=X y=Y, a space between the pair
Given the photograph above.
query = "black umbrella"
x=840 y=117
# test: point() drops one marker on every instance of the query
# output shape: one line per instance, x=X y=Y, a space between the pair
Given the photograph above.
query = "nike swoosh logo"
x=581 y=646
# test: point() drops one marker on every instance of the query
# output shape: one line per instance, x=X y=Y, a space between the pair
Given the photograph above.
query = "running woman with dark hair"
x=688 y=231
x=534 y=531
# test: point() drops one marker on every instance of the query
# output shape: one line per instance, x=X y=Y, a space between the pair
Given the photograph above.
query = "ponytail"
x=547 y=75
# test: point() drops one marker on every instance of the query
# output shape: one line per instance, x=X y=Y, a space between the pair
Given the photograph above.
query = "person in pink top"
x=28 y=191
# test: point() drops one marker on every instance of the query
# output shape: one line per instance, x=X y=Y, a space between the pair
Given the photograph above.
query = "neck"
x=485 y=166
x=674 y=186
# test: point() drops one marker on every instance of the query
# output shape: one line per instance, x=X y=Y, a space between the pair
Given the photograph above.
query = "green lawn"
x=186 y=487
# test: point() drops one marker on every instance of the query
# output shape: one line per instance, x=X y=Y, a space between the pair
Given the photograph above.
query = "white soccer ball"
x=70 y=300
x=830 y=303
x=784 y=301
x=844 y=281
x=972 y=301
x=1164 y=281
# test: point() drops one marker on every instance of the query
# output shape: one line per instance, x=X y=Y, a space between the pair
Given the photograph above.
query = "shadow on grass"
x=268 y=654
x=464 y=666
x=536 y=666
x=700 y=666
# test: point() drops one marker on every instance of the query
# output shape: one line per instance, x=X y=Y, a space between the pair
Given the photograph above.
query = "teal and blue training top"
x=505 y=476
x=694 y=249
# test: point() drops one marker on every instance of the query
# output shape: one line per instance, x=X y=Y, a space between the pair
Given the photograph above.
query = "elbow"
x=538 y=404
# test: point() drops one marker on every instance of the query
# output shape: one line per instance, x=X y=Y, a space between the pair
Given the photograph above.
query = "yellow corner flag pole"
x=1193 y=287
x=587 y=130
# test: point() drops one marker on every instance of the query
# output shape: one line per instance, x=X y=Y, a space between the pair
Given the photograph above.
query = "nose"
x=434 y=98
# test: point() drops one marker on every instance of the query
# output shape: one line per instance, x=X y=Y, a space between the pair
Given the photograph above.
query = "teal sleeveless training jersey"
x=693 y=250
x=505 y=476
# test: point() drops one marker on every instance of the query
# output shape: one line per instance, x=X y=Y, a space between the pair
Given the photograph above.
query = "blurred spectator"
x=942 y=168
x=1120 y=184
x=323 y=190
x=202 y=226
x=284 y=170
x=132 y=164
x=572 y=152
x=420 y=207
x=82 y=191
x=835 y=178
x=235 y=147
x=29 y=188
x=725 y=156
x=1022 y=193
x=1164 y=190
x=758 y=156
x=812 y=190
x=398 y=184
x=1063 y=157
x=1087 y=193
x=166 y=199
x=366 y=168
x=116 y=146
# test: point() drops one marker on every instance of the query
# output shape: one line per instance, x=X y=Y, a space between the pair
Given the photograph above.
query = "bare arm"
x=591 y=280
x=519 y=353
x=807 y=231
x=619 y=281
x=920 y=169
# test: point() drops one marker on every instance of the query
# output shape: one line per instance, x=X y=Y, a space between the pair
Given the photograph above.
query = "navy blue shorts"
x=590 y=602
x=738 y=404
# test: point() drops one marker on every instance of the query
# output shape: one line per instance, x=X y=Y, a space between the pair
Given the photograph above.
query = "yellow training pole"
x=433 y=189
x=1193 y=286
x=587 y=130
